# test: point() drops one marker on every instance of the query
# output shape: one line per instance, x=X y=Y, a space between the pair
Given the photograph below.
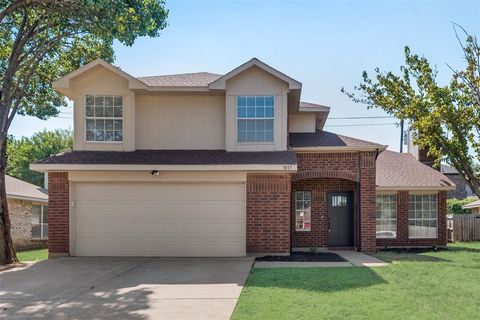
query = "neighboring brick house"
x=28 y=208
x=203 y=164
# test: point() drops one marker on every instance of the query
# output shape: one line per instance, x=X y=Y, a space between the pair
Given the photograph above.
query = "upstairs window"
x=104 y=118
x=255 y=116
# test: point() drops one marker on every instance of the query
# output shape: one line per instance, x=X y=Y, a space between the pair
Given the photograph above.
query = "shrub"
x=454 y=206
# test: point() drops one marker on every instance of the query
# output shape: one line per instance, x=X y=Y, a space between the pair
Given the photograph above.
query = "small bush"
x=454 y=206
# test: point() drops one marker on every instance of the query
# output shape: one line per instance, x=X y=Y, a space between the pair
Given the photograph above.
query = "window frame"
x=303 y=209
x=389 y=219
x=237 y=118
x=103 y=118
x=423 y=219
x=41 y=223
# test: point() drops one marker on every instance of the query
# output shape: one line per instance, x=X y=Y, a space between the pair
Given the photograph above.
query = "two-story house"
x=204 y=164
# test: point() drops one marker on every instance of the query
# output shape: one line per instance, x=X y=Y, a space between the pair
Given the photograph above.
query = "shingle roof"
x=19 y=189
x=322 y=138
x=199 y=79
x=403 y=170
x=172 y=157
x=307 y=105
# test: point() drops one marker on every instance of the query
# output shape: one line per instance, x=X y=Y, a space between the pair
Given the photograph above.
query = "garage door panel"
x=133 y=219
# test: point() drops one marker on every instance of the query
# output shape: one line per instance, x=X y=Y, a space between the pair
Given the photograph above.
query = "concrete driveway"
x=123 y=288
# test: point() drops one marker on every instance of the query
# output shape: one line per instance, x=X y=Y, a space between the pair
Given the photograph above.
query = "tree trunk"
x=473 y=183
x=7 y=251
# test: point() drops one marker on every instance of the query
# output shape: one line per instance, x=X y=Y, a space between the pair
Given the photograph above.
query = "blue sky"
x=324 y=44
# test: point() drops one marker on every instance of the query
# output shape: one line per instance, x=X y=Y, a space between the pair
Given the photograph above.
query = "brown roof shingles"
x=403 y=170
x=199 y=79
x=322 y=138
x=17 y=188
x=172 y=157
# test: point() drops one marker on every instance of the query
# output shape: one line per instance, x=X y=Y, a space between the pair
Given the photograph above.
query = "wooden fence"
x=463 y=227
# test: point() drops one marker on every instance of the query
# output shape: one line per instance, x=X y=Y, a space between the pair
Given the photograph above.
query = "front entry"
x=340 y=219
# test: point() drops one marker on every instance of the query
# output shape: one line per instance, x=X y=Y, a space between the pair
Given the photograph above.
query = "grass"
x=32 y=255
x=433 y=285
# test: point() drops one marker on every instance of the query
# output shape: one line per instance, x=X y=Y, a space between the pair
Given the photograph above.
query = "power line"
x=360 y=117
x=362 y=124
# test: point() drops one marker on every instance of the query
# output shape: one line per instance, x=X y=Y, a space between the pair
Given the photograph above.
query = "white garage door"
x=152 y=219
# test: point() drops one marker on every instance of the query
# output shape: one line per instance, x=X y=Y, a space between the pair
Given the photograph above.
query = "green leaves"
x=445 y=118
x=21 y=152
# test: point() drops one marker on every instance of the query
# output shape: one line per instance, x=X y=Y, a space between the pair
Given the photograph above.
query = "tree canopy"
x=445 y=118
x=24 y=151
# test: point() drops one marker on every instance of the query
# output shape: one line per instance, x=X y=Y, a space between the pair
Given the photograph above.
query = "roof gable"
x=220 y=83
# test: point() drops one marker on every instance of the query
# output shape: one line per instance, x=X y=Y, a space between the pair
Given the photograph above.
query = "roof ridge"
x=180 y=74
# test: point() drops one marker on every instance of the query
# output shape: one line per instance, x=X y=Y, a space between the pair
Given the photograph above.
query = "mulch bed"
x=413 y=250
x=305 y=257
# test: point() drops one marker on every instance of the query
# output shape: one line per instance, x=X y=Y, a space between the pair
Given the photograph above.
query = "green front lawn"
x=434 y=285
x=32 y=255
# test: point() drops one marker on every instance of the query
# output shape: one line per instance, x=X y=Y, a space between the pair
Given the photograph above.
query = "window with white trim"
x=303 y=211
x=255 y=117
x=39 y=222
x=386 y=208
x=104 y=118
x=422 y=216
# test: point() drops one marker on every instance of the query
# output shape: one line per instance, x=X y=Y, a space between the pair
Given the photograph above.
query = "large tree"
x=23 y=151
x=41 y=40
x=445 y=118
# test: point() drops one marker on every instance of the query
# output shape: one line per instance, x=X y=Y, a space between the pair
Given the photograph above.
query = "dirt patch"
x=305 y=257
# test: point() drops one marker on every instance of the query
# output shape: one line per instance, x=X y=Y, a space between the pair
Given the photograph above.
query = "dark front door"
x=340 y=219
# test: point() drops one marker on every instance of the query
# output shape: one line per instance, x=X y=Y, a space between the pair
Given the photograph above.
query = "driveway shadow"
x=122 y=288
x=315 y=279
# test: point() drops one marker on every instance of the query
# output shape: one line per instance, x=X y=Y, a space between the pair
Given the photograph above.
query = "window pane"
x=36 y=231
x=251 y=101
x=242 y=125
x=269 y=136
x=242 y=136
x=117 y=112
x=36 y=214
x=260 y=101
x=45 y=231
x=108 y=124
x=250 y=112
x=45 y=214
x=269 y=112
x=90 y=136
x=90 y=111
x=423 y=214
x=118 y=135
x=117 y=124
x=118 y=101
x=269 y=125
x=99 y=136
x=108 y=135
x=99 y=101
x=269 y=101
x=241 y=101
x=260 y=112
x=260 y=136
x=250 y=135
x=90 y=101
x=99 y=111
x=251 y=125
x=386 y=213
x=108 y=101
x=90 y=124
x=99 y=124
x=241 y=112
x=108 y=112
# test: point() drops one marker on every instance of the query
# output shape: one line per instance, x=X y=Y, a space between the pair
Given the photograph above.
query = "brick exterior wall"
x=318 y=235
x=268 y=213
x=58 y=214
x=402 y=239
x=21 y=218
x=337 y=172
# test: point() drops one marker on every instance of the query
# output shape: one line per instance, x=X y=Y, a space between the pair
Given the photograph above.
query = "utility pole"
x=401 y=135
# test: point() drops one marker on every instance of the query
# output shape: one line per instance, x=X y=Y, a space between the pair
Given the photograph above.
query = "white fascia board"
x=143 y=167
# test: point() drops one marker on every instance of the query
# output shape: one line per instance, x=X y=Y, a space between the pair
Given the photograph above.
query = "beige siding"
x=301 y=122
x=255 y=81
x=180 y=121
x=159 y=219
x=100 y=81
